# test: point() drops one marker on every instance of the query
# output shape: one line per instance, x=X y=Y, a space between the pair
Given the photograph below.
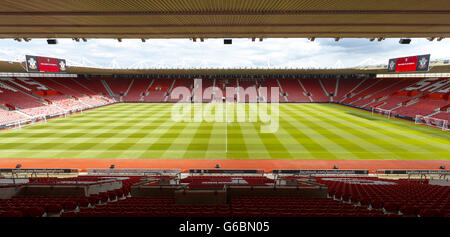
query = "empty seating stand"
x=348 y=197
x=66 y=206
x=82 y=93
x=409 y=198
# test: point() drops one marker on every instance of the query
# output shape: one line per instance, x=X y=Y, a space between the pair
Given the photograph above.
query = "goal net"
x=24 y=122
x=40 y=118
x=433 y=122
x=383 y=112
x=18 y=124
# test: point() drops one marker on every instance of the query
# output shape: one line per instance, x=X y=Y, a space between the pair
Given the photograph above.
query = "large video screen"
x=409 y=64
x=45 y=64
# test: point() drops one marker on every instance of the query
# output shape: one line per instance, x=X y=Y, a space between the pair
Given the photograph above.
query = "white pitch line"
x=251 y=152
x=226 y=127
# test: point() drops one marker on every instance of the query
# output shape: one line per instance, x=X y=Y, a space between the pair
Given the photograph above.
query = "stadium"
x=78 y=141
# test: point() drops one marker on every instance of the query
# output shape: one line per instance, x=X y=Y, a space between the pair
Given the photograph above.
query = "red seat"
x=409 y=210
x=391 y=207
x=119 y=193
x=69 y=214
x=431 y=213
x=103 y=197
x=33 y=212
x=11 y=213
x=376 y=204
x=111 y=195
x=94 y=199
x=69 y=205
x=53 y=208
x=83 y=202
x=86 y=214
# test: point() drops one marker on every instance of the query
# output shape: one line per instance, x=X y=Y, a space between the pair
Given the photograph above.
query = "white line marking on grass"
x=374 y=126
x=250 y=152
x=136 y=110
x=326 y=143
x=181 y=143
x=226 y=127
x=358 y=141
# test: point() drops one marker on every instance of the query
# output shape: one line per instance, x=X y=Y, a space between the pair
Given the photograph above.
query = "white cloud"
x=183 y=53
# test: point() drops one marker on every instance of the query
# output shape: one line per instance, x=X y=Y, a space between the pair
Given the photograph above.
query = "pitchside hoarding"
x=45 y=64
x=418 y=63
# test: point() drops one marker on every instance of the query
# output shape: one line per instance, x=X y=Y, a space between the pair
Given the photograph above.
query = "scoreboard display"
x=45 y=64
x=418 y=63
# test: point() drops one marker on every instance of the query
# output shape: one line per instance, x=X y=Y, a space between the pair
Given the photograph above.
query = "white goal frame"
x=40 y=117
x=18 y=124
x=32 y=120
x=432 y=122
x=384 y=112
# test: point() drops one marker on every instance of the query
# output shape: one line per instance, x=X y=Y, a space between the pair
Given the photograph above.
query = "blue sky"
x=212 y=53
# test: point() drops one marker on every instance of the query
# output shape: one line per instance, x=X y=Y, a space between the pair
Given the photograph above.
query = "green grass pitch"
x=306 y=131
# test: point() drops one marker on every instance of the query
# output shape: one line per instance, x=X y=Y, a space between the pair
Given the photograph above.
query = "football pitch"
x=147 y=131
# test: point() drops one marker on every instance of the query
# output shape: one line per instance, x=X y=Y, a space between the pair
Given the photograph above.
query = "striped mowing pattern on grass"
x=306 y=131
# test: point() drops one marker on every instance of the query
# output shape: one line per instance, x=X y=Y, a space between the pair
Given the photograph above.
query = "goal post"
x=384 y=112
x=43 y=118
x=38 y=118
x=32 y=120
x=18 y=124
x=432 y=122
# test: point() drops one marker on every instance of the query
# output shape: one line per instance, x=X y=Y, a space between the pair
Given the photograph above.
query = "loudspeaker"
x=442 y=167
x=335 y=167
x=218 y=166
x=52 y=41
x=227 y=41
x=112 y=167
x=404 y=41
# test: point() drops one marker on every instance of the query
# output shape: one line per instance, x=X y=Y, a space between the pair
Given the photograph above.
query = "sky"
x=212 y=53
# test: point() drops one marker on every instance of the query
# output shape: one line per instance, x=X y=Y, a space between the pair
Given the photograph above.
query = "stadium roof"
x=17 y=67
x=223 y=18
